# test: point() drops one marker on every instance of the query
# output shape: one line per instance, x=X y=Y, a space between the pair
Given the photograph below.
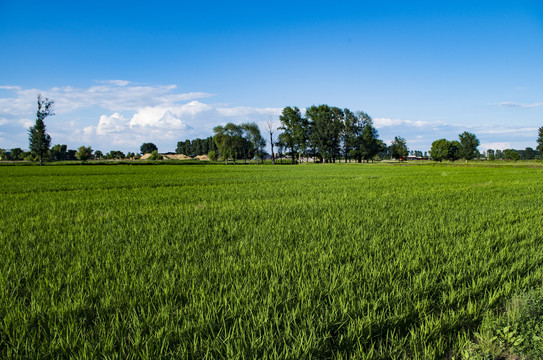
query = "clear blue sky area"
x=126 y=72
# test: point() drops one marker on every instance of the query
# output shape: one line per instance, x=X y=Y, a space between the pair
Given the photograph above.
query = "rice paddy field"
x=257 y=262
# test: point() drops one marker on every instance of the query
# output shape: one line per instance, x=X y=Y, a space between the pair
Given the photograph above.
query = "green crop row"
x=329 y=261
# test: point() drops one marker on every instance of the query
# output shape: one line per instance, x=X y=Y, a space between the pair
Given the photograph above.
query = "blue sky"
x=127 y=72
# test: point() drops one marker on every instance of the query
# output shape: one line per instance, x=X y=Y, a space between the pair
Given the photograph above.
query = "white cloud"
x=523 y=130
x=26 y=123
x=388 y=122
x=114 y=82
x=519 y=105
x=166 y=124
x=495 y=146
x=114 y=95
x=110 y=124
x=243 y=111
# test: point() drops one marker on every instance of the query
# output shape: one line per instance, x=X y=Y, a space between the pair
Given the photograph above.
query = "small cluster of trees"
x=325 y=133
x=196 y=147
x=513 y=154
x=330 y=133
x=242 y=141
x=465 y=148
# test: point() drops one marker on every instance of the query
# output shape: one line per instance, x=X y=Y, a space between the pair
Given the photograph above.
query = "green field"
x=309 y=261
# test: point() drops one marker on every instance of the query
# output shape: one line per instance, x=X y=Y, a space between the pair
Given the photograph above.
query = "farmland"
x=309 y=261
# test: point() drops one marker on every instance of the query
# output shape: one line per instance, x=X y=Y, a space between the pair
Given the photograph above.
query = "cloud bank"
x=117 y=114
x=121 y=115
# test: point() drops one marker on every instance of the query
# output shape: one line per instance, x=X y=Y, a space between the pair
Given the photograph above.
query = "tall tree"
x=16 y=154
x=440 y=149
x=369 y=146
x=540 y=140
x=253 y=137
x=326 y=124
x=39 y=140
x=228 y=139
x=352 y=133
x=292 y=124
x=398 y=148
x=455 y=150
x=490 y=154
x=84 y=153
x=271 y=130
x=58 y=152
x=147 y=148
x=469 y=144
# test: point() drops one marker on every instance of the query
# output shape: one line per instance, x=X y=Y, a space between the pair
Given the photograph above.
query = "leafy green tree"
x=38 y=139
x=455 y=149
x=352 y=130
x=326 y=127
x=3 y=154
x=490 y=154
x=292 y=124
x=253 y=139
x=130 y=155
x=84 y=153
x=114 y=154
x=440 y=149
x=469 y=144
x=370 y=145
x=528 y=154
x=398 y=148
x=540 y=140
x=58 y=152
x=511 y=154
x=70 y=154
x=228 y=139
x=147 y=148
x=212 y=155
x=155 y=155
x=16 y=154
x=98 y=154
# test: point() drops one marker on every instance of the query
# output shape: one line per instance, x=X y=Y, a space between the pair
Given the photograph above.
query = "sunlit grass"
x=261 y=261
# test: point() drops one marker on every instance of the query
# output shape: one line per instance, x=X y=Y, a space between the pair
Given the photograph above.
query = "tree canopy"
x=84 y=153
x=294 y=130
x=469 y=144
x=398 y=148
x=440 y=150
x=147 y=148
x=38 y=139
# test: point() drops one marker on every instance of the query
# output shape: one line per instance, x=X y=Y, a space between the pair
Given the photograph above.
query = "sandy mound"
x=176 y=157
x=166 y=157
x=202 y=157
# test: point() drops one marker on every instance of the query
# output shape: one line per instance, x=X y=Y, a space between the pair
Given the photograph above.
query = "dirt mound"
x=167 y=157
x=176 y=157
x=202 y=157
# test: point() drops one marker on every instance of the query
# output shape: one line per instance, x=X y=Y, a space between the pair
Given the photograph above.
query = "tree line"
x=324 y=134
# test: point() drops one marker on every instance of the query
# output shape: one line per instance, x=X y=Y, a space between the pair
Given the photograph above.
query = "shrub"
x=155 y=155
x=212 y=155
